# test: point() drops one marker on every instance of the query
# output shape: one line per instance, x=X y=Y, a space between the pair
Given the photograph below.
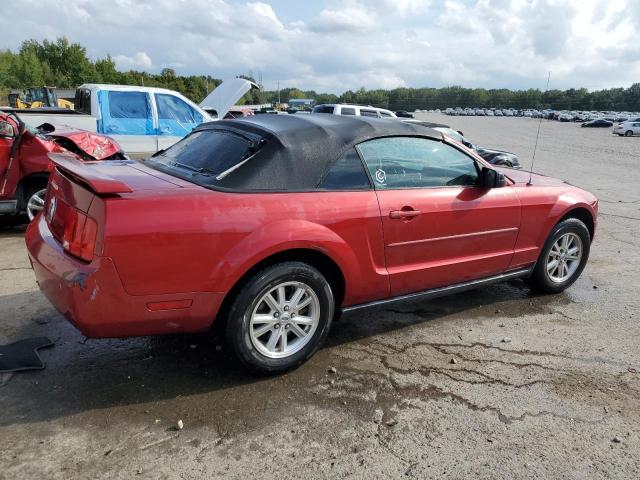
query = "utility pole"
x=278 y=92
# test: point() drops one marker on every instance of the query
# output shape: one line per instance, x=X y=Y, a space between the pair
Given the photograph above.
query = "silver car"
x=627 y=129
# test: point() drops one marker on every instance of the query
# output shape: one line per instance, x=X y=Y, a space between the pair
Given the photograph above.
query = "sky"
x=333 y=46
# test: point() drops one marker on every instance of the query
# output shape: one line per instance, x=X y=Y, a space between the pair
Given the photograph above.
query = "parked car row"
x=627 y=122
x=484 y=112
x=561 y=115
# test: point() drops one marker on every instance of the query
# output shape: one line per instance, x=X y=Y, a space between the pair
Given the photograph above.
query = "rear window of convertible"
x=207 y=157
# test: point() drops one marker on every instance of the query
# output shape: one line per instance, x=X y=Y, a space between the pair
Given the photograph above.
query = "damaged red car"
x=25 y=166
x=271 y=225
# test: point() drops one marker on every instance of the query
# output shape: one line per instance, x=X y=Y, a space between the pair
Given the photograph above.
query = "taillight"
x=80 y=233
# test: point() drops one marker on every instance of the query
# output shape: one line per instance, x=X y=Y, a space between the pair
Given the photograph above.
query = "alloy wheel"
x=564 y=257
x=35 y=204
x=284 y=320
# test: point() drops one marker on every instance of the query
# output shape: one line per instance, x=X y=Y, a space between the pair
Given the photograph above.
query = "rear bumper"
x=92 y=298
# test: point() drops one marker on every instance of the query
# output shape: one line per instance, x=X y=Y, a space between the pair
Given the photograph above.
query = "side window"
x=368 y=113
x=323 y=109
x=174 y=108
x=125 y=113
x=347 y=173
x=347 y=111
x=411 y=162
x=175 y=116
x=129 y=105
x=385 y=114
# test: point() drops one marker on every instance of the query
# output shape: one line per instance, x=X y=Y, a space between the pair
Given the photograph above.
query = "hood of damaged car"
x=98 y=147
x=226 y=95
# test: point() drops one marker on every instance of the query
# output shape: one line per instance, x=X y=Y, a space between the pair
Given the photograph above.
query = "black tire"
x=628 y=133
x=242 y=307
x=540 y=279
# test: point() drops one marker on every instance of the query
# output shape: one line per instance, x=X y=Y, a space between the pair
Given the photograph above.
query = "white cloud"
x=345 y=44
x=139 y=60
x=352 y=20
x=413 y=37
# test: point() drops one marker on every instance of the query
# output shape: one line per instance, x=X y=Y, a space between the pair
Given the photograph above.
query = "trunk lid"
x=109 y=177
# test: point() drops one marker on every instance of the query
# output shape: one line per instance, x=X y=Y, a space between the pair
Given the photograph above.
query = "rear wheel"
x=281 y=316
x=628 y=133
x=563 y=257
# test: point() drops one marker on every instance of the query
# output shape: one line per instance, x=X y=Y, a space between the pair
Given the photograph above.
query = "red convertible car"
x=270 y=225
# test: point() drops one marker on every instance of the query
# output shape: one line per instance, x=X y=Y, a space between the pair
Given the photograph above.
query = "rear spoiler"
x=87 y=172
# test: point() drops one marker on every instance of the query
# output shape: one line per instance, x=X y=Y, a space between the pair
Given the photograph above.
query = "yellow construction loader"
x=38 y=97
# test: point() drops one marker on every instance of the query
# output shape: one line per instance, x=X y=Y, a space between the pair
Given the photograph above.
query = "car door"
x=8 y=173
x=6 y=141
x=127 y=117
x=176 y=118
x=439 y=227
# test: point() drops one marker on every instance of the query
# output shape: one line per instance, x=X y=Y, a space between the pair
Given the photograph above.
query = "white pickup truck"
x=142 y=120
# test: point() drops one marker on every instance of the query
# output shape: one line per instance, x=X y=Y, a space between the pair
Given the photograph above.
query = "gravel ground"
x=497 y=383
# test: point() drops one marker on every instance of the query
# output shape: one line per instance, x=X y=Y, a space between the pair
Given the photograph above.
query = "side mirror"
x=6 y=130
x=489 y=178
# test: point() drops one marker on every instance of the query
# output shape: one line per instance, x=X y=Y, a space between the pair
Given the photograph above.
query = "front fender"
x=280 y=236
x=542 y=209
x=565 y=204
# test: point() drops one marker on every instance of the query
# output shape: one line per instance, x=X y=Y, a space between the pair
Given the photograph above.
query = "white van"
x=346 y=109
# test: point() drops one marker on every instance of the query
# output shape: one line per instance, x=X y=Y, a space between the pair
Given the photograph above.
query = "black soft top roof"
x=299 y=149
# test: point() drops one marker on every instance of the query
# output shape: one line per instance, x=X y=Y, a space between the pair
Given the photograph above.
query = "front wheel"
x=35 y=202
x=563 y=257
x=280 y=317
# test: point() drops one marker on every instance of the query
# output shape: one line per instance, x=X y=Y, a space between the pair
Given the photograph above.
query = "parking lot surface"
x=497 y=383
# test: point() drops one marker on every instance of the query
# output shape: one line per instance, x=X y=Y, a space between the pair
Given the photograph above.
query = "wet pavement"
x=493 y=383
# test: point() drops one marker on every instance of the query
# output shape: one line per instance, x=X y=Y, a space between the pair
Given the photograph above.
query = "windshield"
x=206 y=156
